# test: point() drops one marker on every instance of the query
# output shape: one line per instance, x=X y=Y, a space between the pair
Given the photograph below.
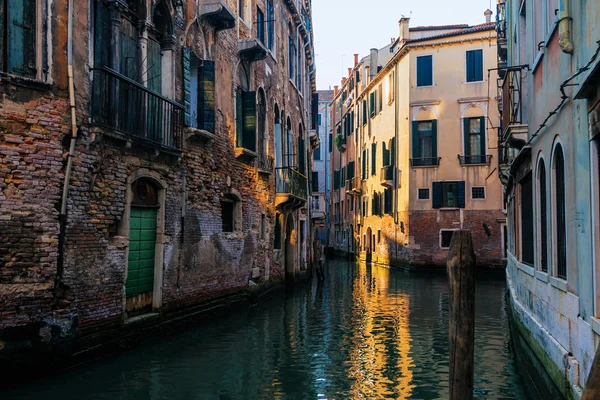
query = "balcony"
x=291 y=188
x=264 y=164
x=217 y=14
x=425 y=162
x=252 y=49
x=502 y=41
x=340 y=142
x=349 y=186
x=128 y=110
x=475 y=160
x=515 y=130
x=357 y=185
x=386 y=176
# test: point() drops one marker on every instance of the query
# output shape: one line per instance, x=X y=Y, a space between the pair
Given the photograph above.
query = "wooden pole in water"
x=592 y=385
x=461 y=278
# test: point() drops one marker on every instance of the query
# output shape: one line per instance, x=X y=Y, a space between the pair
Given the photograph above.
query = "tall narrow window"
x=246 y=120
x=260 y=25
x=527 y=249
x=424 y=140
x=242 y=9
x=475 y=145
x=18 y=27
x=424 y=71
x=373 y=158
x=475 y=66
x=270 y=25
x=542 y=193
x=561 y=239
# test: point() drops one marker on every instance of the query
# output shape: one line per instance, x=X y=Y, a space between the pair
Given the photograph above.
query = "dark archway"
x=369 y=245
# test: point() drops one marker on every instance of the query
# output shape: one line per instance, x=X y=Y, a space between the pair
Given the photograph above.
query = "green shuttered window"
x=246 y=119
x=18 y=37
x=474 y=130
x=475 y=66
x=199 y=92
x=425 y=71
x=448 y=195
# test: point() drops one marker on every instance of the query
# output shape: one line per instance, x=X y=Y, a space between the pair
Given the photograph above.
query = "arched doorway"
x=141 y=261
x=369 y=244
x=290 y=249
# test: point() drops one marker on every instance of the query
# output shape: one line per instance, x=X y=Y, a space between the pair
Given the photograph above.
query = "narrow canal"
x=365 y=333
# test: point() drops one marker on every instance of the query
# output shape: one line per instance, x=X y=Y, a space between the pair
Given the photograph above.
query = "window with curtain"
x=475 y=66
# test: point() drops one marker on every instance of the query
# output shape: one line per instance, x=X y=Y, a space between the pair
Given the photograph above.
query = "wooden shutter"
x=249 y=118
x=386 y=154
x=239 y=118
x=372 y=105
x=436 y=195
x=461 y=194
x=364 y=164
x=467 y=135
x=364 y=112
x=301 y=161
x=434 y=138
x=102 y=35
x=424 y=71
x=373 y=158
x=343 y=177
x=415 y=139
x=330 y=142
x=393 y=152
x=206 y=97
x=187 y=76
x=21 y=23
x=482 y=140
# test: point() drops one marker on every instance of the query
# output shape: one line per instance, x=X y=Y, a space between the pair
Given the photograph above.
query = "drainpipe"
x=564 y=29
x=65 y=194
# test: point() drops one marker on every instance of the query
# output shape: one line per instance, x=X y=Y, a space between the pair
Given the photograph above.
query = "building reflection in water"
x=364 y=333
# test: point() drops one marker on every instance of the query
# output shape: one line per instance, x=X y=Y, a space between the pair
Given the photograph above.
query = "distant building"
x=418 y=159
x=549 y=149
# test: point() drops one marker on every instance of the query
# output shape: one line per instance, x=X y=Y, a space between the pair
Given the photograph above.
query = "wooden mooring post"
x=461 y=278
x=592 y=385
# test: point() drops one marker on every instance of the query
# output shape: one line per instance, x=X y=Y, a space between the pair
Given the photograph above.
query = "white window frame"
x=484 y=193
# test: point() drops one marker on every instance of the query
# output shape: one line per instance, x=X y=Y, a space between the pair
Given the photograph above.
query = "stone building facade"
x=154 y=156
x=423 y=145
x=549 y=148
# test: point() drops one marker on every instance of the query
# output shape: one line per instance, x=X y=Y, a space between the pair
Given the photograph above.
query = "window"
x=292 y=57
x=478 y=193
x=320 y=119
x=242 y=9
x=424 y=194
x=475 y=66
x=526 y=194
x=270 y=26
x=315 y=181
x=373 y=159
x=372 y=110
x=317 y=153
x=388 y=201
x=425 y=139
x=448 y=194
x=424 y=71
x=199 y=91
x=260 y=25
x=315 y=203
x=246 y=120
x=543 y=225
x=475 y=145
x=364 y=112
x=227 y=208
x=446 y=239
x=18 y=34
x=391 y=88
x=560 y=213
x=380 y=99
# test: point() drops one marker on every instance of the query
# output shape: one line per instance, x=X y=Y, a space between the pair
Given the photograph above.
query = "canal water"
x=365 y=333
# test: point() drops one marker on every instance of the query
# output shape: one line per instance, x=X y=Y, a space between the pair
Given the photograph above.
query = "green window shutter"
x=372 y=105
x=415 y=139
x=206 y=96
x=436 y=195
x=343 y=177
x=239 y=118
x=21 y=21
x=467 y=135
x=434 y=138
x=482 y=135
x=393 y=152
x=373 y=158
x=425 y=71
x=249 y=117
x=315 y=182
x=461 y=194
x=364 y=164
x=187 y=60
x=301 y=161
x=364 y=112
x=330 y=142
x=154 y=75
x=386 y=154
x=101 y=34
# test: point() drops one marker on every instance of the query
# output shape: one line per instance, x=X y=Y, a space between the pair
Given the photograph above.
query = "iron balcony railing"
x=512 y=99
x=425 y=162
x=289 y=181
x=472 y=160
x=265 y=163
x=131 y=109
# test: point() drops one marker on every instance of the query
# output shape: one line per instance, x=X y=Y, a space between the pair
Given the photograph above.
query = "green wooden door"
x=142 y=248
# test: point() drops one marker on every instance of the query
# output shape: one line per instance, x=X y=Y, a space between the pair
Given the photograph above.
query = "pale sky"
x=345 y=27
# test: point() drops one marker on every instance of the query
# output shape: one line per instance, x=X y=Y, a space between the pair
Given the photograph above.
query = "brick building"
x=416 y=161
x=171 y=172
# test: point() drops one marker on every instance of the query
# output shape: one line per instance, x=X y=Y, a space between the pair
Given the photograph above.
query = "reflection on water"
x=366 y=333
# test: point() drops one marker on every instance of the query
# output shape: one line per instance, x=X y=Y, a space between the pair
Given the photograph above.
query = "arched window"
x=290 y=145
x=231 y=212
x=560 y=213
x=543 y=218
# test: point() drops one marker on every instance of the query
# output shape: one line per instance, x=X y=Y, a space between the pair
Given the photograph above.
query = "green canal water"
x=365 y=333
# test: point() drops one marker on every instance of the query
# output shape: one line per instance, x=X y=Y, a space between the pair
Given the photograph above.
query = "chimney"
x=488 y=15
x=373 y=63
x=404 y=29
x=336 y=90
x=355 y=60
x=344 y=82
x=350 y=72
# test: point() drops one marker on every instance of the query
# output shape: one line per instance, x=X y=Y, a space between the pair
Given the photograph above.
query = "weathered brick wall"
x=200 y=261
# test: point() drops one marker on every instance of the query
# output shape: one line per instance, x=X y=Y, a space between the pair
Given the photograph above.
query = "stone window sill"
x=24 y=81
x=526 y=268
x=542 y=276
x=559 y=283
x=595 y=322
